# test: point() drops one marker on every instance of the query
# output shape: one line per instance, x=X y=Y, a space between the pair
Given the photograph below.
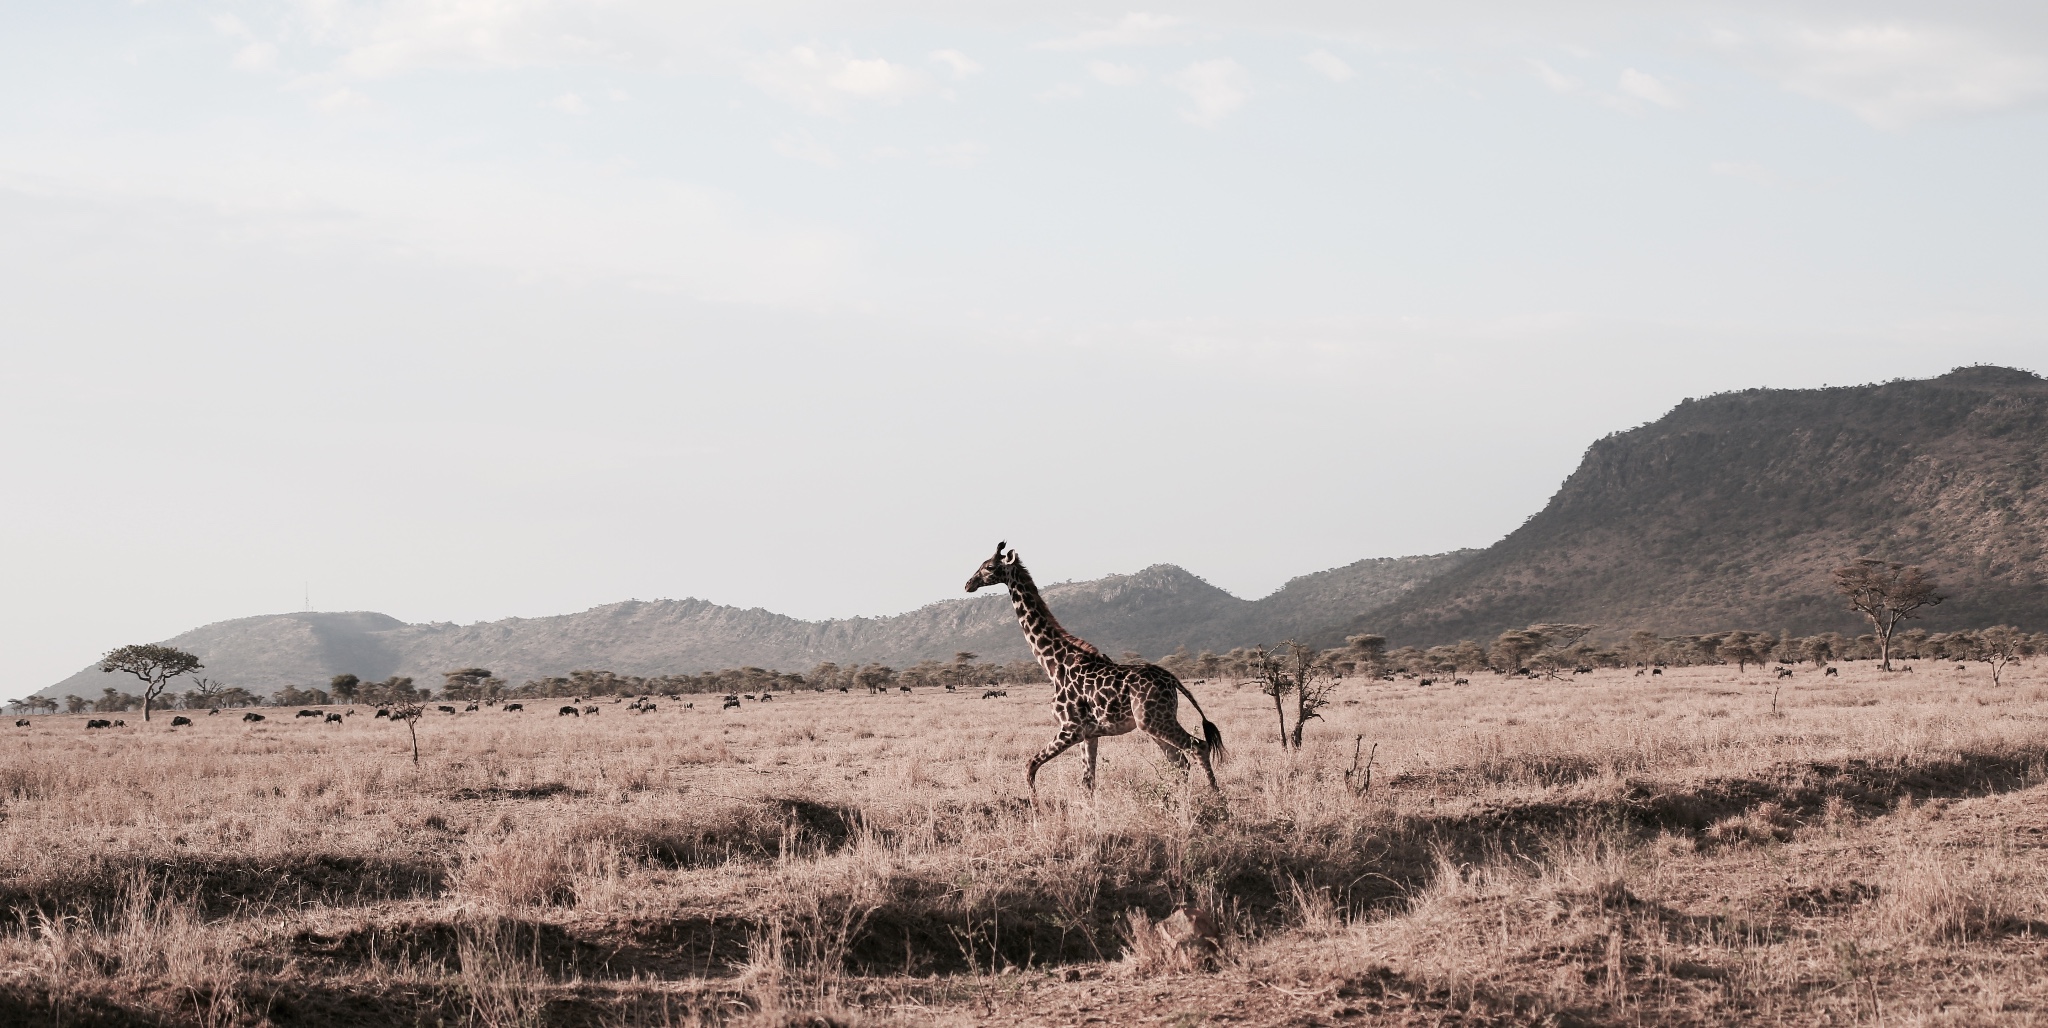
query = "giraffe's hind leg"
x=1088 y=777
x=1176 y=743
x=1070 y=733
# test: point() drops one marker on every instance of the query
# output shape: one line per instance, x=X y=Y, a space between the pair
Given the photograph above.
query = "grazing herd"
x=641 y=705
x=730 y=701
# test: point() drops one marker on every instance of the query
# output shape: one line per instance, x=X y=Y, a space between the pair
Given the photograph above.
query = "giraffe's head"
x=997 y=570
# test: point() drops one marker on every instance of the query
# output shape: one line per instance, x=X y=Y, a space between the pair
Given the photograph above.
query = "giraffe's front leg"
x=1070 y=733
x=1088 y=778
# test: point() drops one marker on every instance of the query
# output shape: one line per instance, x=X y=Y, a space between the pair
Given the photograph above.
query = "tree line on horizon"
x=1543 y=650
x=1885 y=593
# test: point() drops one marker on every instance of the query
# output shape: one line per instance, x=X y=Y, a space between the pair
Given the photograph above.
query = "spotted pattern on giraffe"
x=1094 y=696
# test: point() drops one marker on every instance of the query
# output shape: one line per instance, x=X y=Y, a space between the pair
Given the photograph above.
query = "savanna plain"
x=1706 y=846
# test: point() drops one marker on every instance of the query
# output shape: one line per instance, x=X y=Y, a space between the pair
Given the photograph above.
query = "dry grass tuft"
x=1934 y=896
x=1765 y=822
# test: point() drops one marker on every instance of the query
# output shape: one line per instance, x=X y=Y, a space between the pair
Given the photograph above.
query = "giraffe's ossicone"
x=1094 y=696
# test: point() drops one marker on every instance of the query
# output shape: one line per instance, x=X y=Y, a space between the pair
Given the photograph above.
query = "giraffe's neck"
x=1055 y=647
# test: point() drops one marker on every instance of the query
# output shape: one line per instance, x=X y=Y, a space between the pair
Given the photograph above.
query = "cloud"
x=255 y=55
x=1558 y=81
x=1644 y=86
x=341 y=101
x=1748 y=171
x=1636 y=89
x=956 y=62
x=395 y=37
x=1328 y=65
x=1218 y=89
x=1063 y=91
x=1111 y=74
x=802 y=147
x=822 y=82
x=1134 y=29
x=569 y=103
x=1895 y=74
x=964 y=154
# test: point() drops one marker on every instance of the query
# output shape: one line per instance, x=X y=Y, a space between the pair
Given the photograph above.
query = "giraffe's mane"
x=1068 y=637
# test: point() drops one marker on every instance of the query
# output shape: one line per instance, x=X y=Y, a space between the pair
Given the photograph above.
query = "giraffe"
x=1094 y=696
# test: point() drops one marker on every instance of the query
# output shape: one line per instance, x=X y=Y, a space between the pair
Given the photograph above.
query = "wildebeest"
x=766 y=696
x=180 y=720
x=1426 y=681
x=568 y=712
x=1829 y=672
x=305 y=713
x=845 y=689
x=515 y=706
x=591 y=709
x=470 y=707
x=98 y=723
x=750 y=696
x=21 y=722
x=445 y=709
x=333 y=719
x=730 y=703
x=1656 y=671
x=252 y=716
x=647 y=708
x=118 y=723
x=1461 y=681
x=689 y=706
x=949 y=688
x=212 y=712
x=903 y=688
x=383 y=712
x=1784 y=672
x=993 y=693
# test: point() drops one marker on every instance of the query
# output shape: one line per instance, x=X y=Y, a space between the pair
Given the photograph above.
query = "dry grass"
x=1608 y=849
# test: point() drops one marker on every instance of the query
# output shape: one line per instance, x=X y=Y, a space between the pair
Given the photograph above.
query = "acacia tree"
x=1886 y=592
x=1368 y=654
x=1739 y=647
x=410 y=713
x=1514 y=646
x=205 y=693
x=962 y=672
x=1300 y=672
x=155 y=665
x=343 y=687
x=1554 y=646
x=875 y=677
x=1999 y=646
x=465 y=683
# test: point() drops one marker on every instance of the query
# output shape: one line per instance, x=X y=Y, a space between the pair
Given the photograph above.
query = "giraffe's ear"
x=1012 y=558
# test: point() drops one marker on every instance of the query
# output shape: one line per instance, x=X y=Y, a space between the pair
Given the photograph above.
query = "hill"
x=1730 y=512
x=1152 y=611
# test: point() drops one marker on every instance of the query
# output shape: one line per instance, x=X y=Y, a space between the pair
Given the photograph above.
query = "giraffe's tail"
x=1212 y=736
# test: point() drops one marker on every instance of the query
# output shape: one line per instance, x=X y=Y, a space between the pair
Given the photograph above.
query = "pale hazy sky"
x=462 y=309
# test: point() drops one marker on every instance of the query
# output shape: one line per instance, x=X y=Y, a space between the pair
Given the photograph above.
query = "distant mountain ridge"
x=1152 y=611
x=1731 y=511
x=1728 y=512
